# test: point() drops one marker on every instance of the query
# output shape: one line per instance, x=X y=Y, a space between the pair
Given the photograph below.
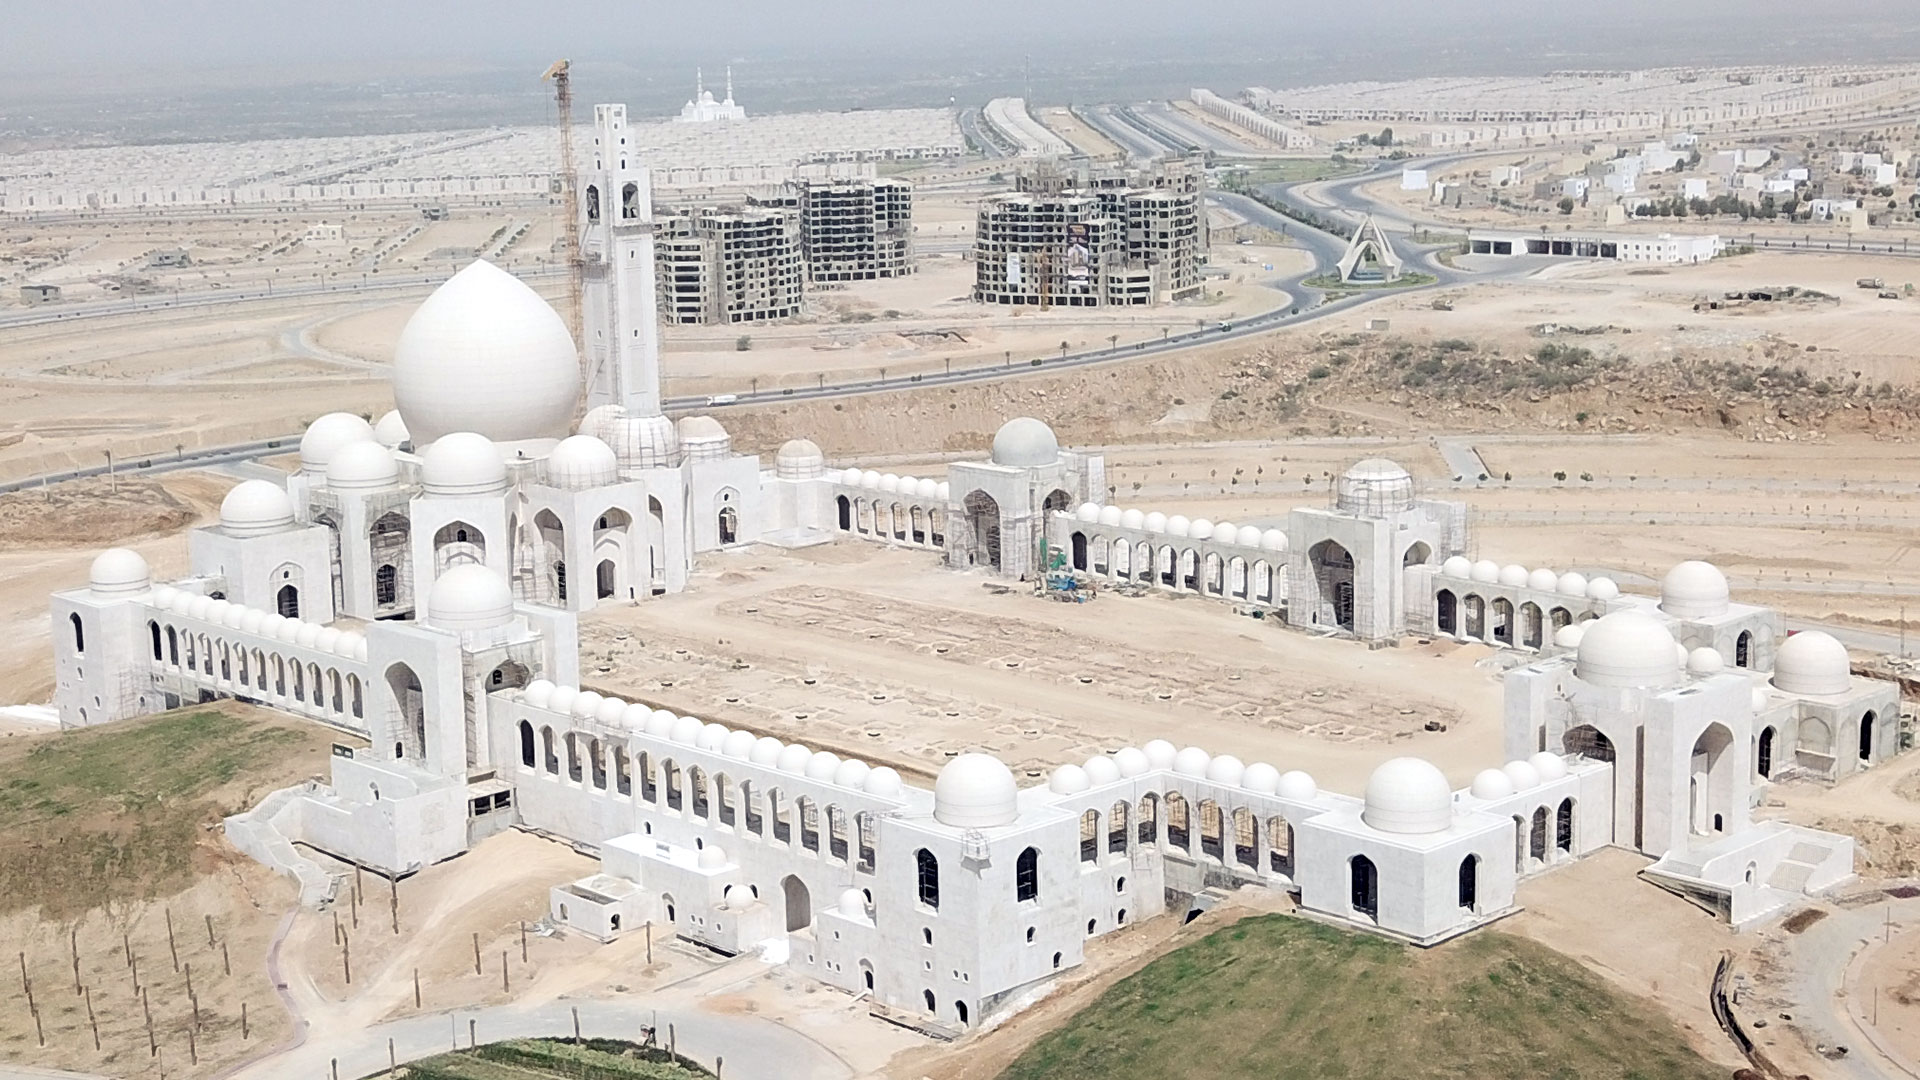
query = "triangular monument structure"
x=1369 y=257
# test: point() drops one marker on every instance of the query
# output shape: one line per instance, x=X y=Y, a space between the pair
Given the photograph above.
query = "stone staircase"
x=257 y=833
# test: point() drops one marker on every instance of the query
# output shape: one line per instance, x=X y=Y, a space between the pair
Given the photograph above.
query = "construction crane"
x=558 y=74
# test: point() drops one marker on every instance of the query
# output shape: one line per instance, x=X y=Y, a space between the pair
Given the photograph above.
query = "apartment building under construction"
x=851 y=230
x=1080 y=235
x=729 y=265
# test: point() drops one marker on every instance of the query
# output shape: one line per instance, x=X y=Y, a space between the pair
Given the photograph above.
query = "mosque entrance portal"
x=799 y=903
x=1333 y=572
x=983 y=514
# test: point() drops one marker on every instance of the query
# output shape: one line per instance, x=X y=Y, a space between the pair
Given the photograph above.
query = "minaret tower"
x=616 y=239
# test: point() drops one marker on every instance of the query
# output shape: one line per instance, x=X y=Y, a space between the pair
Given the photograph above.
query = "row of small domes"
x=1517 y=776
x=1515 y=576
x=1221 y=532
x=1129 y=761
x=346 y=644
x=823 y=766
x=888 y=483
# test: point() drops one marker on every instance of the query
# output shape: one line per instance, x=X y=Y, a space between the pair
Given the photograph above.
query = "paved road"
x=1831 y=999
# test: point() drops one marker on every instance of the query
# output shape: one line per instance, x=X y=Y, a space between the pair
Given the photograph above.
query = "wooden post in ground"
x=505 y=987
x=209 y=931
x=73 y=944
x=171 y=947
x=473 y=1029
x=133 y=965
x=38 y=1032
x=226 y=962
x=576 y=1025
x=153 y=1045
x=243 y=1021
x=346 y=961
x=416 y=988
x=392 y=1061
x=126 y=946
x=193 y=1049
x=394 y=902
x=476 y=953
x=336 y=926
x=92 y=1021
x=649 y=942
x=523 y=943
x=353 y=906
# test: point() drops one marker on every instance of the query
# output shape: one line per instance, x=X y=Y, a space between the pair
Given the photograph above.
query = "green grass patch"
x=1281 y=998
x=1288 y=171
x=1409 y=280
x=115 y=812
x=546 y=1059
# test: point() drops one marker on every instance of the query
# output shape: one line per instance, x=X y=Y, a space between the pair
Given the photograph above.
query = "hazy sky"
x=110 y=35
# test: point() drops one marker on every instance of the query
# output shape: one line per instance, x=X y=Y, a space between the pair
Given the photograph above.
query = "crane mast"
x=559 y=75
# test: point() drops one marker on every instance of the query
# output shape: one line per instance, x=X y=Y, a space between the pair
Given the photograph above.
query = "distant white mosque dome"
x=328 y=434
x=1024 y=442
x=975 y=791
x=486 y=354
x=254 y=508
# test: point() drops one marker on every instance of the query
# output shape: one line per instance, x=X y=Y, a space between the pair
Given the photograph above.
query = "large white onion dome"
x=640 y=442
x=1490 y=785
x=1694 y=590
x=702 y=437
x=1273 y=540
x=1486 y=571
x=1524 y=776
x=463 y=463
x=1374 y=485
x=1068 y=780
x=1111 y=515
x=1024 y=442
x=254 y=508
x=1133 y=519
x=118 y=570
x=362 y=466
x=1178 y=525
x=1191 y=761
x=1261 y=777
x=1549 y=765
x=1297 y=785
x=799 y=459
x=1514 y=576
x=1408 y=795
x=391 y=431
x=582 y=461
x=1812 y=662
x=1543 y=580
x=1601 y=588
x=485 y=353
x=1627 y=648
x=1705 y=661
x=470 y=597
x=975 y=791
x=1101 y=769
x=328 y=434
x=1573 y=583
x=1457 y=566
x=1249 y=536
x=1088 y=513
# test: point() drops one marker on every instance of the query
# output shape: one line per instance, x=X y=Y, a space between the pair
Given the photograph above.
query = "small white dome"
x=537 y=692
x=1248 y=536
x=1110 y=515
x=703 y=437
x=1273 y=540
x=1024 y=442
x=635 y=717
x=660 y=725
x=1297 y=785
x=390 y=430
x=870 y=480
x=1101 y=769
x=1812 y=662
x=712 y=858
x=362 y=466
x=1524 y=776
x=736 y=898
x=889 y=482
x=463 y=463
x=641 y=442
x=1549 y=765
x=883 y=781
x=1374 y=485
x=975 y=791
x=793 y=759
x=163 y=596
x=1156 y=522
x=1088 y=512
x=118 y=571
x=1227 y=769
x=1191 y=761
x=1160 y=753
x=255 y=508
x=1226 y=532
x=1130 y=761
x=713 y=737
x=739 y=745
x=611 y=711
x=1408 y=795
x=1543 y=580
x=852 y=773
x=1705 y=661
x=1068 y=780
x=766 y=751
x=586 y=703
x=561 y=699
x=1490 y=785
x=485 y=353
x=686 y=731
x=1602 y=589
x=1568 y=636
x=1133 y=519
x=470 y=597
x=1178 y=525
x=1200 y=529
x=307 y=635
x=1457 y=566
x=255 y=621
x=853 y=904
x=1694 y=590
x=1486 y=571
x=328 y=434
x=1759 y=700
x=799 y=459
x=580 y=462
x=1679 y=655
x=926 y=489
x=1627 y=648
x=1573 y=584
x=598 y=418
x=1514 y=576
x=850 y=478
x=326 y=640
x=822 y=765
x=1261 y=777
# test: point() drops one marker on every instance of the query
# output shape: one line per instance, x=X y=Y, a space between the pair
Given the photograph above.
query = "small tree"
x=742 y=343
x=1566 y=204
